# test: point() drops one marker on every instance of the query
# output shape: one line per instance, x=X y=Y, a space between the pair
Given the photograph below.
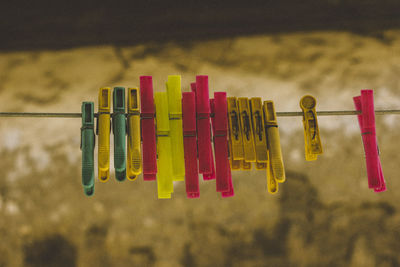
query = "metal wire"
x=279 y=114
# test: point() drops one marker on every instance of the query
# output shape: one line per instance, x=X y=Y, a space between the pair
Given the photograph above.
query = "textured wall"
x=324 y=214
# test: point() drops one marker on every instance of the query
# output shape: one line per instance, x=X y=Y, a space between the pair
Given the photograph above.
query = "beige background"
x=324 y=215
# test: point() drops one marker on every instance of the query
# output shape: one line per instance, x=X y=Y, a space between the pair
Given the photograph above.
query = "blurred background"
x=54 y=55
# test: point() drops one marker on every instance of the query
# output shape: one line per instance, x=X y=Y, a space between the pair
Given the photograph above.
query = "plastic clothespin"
x=119 y=131
x=220 y=132
x=87 y=147
x=190 y=144
x=149 y=151
x=206 y=161
x=103 y=131
x=247 y=132
x=219 y=120
x=312 y=140
x=174 y=92
x=273 y=141
x=235 y=134
x=134 y=157
x=366 y=120
x=165 y=172
x=260 y=138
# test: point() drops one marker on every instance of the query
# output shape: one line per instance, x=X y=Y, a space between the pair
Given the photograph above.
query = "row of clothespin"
x=171 y=136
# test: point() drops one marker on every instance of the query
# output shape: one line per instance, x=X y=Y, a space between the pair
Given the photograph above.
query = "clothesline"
x=279 y=114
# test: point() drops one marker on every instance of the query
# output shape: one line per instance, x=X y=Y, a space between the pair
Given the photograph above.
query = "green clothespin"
x=87 y=147
x=119 y=131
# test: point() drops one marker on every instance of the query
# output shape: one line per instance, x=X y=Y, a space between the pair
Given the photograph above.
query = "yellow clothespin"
x=174 y=92
x=260 y=138
x=312 y=140
x=134 y=157
x=103 y=131
x=235 y=135
x=273 y=141
x=247 y=132
x=164 y=161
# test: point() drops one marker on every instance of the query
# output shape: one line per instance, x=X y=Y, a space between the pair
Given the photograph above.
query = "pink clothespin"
x=366 y=121
x=206 y=160
x=220 y=132
x=148 y=128
x=190 y=144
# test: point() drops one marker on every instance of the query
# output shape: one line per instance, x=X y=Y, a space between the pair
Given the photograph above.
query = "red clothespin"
x=148 y=129
x=220 y=132
x=190 y=144
x=206 y=160
x=366 y=121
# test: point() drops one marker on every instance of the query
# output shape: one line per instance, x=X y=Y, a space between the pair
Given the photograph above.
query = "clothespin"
x=366 y=120
x=103 y=131
x=134 y=157
x=148 y=128
x=87 y=147
x=312 y=140
x=247 y=132
x=190 y=144
x=220 y=132
x=273 y=141
x=119 y=131
x=260 y=138
x=235 y=134
x=164 y=176
x=206 y=161
x=175 y=123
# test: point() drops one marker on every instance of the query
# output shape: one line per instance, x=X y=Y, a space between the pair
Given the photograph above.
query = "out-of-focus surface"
x=324 y=215
x=34 y=25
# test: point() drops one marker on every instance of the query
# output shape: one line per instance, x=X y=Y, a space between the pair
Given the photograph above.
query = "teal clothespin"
x=119 y=131
x=87 y=147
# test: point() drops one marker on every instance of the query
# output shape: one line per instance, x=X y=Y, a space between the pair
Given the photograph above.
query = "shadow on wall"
x=42 y=24
x=308 y=233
